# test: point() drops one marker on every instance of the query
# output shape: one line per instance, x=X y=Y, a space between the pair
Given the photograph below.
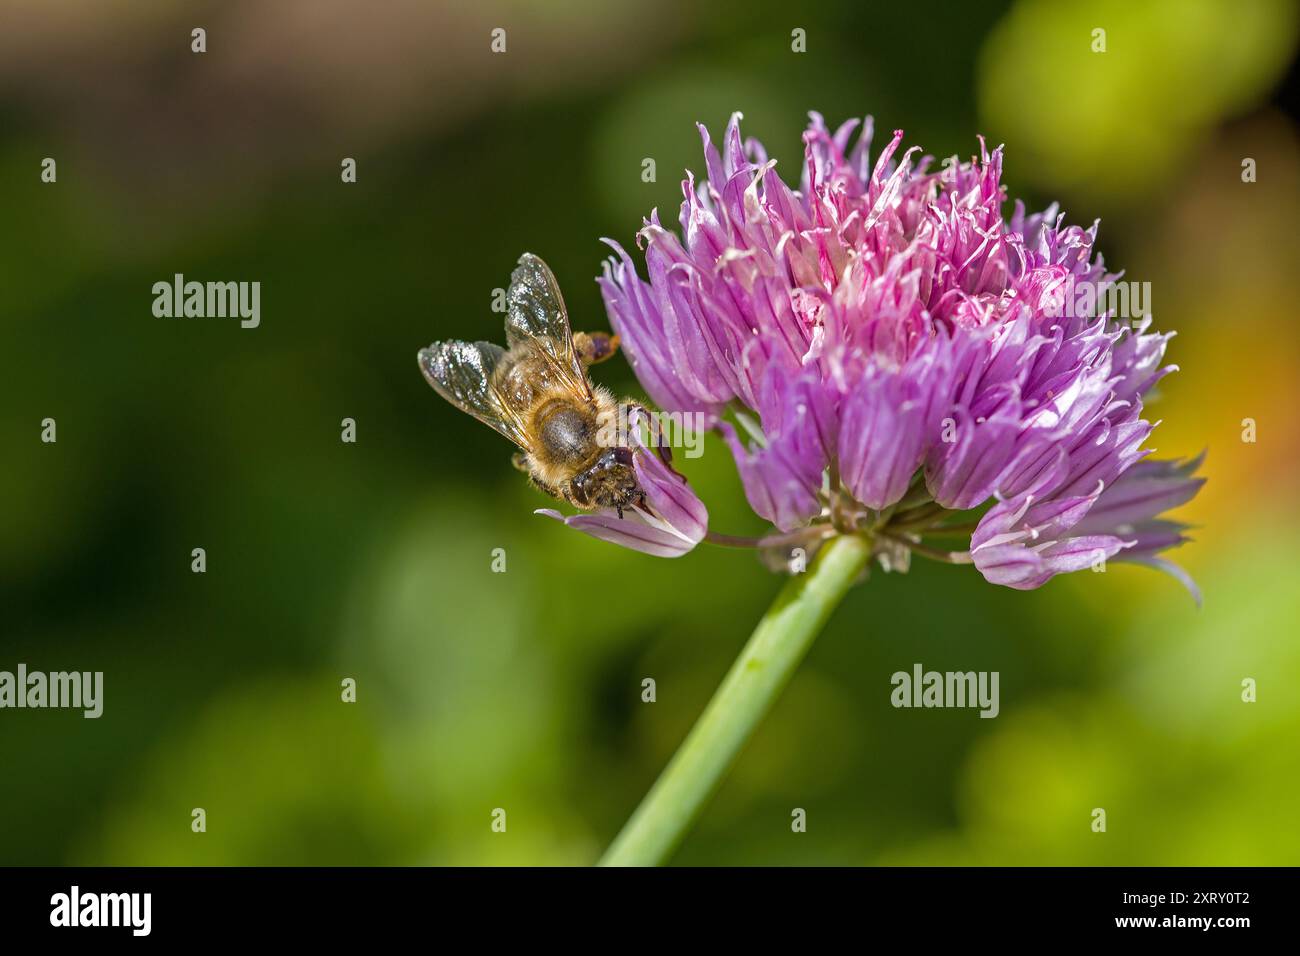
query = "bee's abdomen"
x=567 y=432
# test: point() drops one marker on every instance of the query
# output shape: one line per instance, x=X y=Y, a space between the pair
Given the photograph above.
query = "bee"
x=537 y=393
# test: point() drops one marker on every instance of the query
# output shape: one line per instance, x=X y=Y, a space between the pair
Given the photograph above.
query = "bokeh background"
x=372 y=560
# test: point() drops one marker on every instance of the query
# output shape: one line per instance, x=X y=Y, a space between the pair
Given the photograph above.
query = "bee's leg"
x=656 y=438
x=593 y=347
x=520 y=461
x=544 y=487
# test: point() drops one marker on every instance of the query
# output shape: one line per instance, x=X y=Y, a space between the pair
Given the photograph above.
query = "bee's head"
x=609 y=483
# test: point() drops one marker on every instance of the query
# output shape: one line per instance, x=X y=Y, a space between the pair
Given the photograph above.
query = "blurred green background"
x=372 y=560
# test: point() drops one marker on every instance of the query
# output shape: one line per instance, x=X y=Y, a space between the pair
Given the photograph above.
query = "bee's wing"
x=536 y=312
x=461 y=372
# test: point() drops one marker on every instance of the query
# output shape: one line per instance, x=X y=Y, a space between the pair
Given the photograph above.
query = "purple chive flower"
x=907 y=354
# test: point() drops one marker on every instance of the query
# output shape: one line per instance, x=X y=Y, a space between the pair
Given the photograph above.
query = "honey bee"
x=537 y=393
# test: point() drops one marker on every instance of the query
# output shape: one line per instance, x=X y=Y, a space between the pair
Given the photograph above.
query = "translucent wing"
x=461 y=372
x=535 y=311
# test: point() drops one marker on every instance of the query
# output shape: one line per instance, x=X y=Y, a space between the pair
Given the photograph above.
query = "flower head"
x=909 y=352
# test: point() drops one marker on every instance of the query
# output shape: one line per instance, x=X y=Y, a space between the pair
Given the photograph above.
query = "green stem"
x=746 y=694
